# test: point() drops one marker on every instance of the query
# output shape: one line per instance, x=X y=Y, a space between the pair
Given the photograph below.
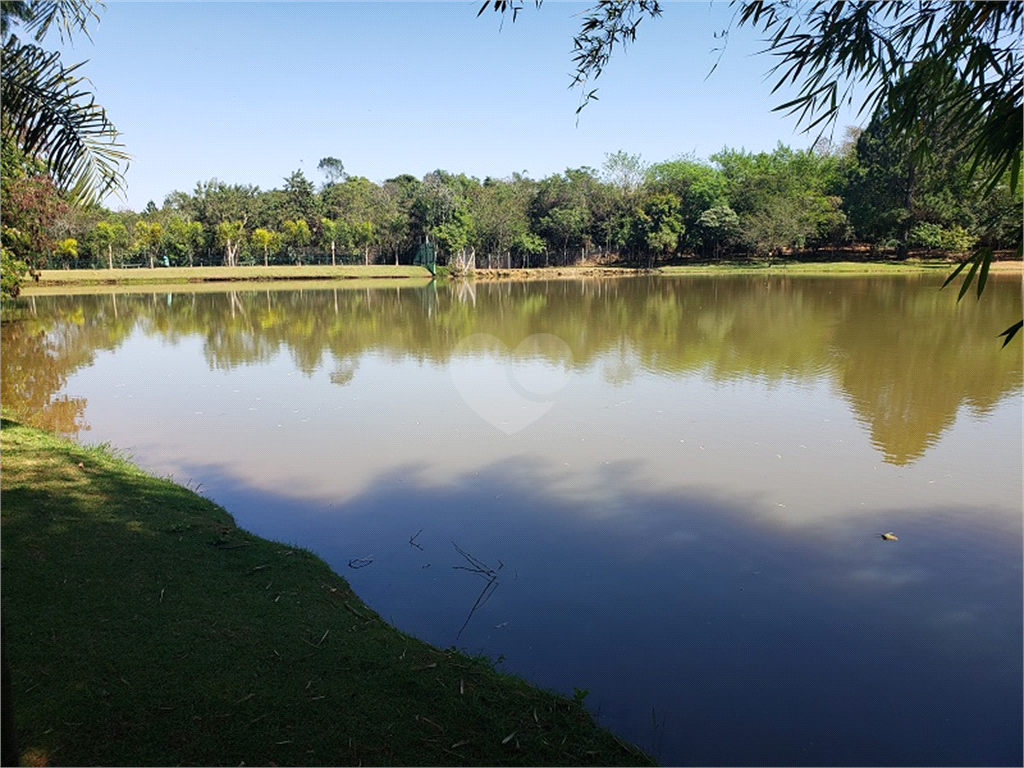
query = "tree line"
x=935 y=170
x=871 y=190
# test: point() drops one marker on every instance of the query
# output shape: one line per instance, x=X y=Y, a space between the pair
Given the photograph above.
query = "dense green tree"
x=331 y=231
x=453 y=239
x=391 y=220
x=436 y=199
x=297 y=236
x=716 y=227
x=625 y=172
x=182 y=239
x=698 y=185
x=230 y=236
x=562 y=210
x=659 y=225
x=12 y=271
x=501 y=216
x=106 y=236
x=527 y=246
x=333 y=169
x=213 y=203
x=781 y=223
x=148 y=237
x=350 y=201
x=934 y=236
x=784 y=198
x=266 y=240
x=30 y=206
x=361 y=236
x=892 y=188
x=66 y=252
x=566 y=227
x=300 y=200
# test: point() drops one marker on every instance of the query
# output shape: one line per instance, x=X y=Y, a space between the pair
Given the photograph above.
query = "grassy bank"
x=144 y=628
x=220 y=286
x=71 y=280
x=909 y=266
x=170 y=275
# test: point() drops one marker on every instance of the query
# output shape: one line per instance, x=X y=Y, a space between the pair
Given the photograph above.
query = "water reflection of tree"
x=38 y=355
x=906 y=356
x=907 y=379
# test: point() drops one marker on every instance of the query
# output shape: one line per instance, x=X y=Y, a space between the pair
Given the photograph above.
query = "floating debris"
x=412 y=540
x=888 y=536
x=360 y=562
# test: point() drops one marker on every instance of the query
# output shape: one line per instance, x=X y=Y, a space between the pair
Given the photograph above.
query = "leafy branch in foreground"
x=49 y=113
x=921 y=62
x=916 y=61
x=979 y=266
x=607 y=25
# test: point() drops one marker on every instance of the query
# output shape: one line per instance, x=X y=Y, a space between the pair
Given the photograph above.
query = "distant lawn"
x=910 y=266
x=204 y=274
x=144 y=628
x=70 y=280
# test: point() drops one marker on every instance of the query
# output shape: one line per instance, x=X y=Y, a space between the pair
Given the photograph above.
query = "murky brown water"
x=684 y=480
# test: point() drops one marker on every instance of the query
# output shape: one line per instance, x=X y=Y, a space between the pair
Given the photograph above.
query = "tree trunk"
x=334 y=263
x=110 y=256
x=905 y=225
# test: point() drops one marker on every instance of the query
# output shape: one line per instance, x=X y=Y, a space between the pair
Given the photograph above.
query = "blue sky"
x=248 y=92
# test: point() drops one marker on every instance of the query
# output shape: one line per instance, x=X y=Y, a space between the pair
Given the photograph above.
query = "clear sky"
x=248 y=92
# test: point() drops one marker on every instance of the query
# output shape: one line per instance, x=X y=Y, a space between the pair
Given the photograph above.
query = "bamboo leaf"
x=954 y=274
x=975 y=263
x=1012 y=331
x=986 y=262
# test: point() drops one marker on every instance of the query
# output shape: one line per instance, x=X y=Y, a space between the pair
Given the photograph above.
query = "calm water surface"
x=679 y=484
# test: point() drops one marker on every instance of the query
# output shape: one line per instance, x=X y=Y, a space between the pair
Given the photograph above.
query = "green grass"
x=909 y=266
x=70 y=280
x=204 y=274
x=144 y=628
x=219 y=286
x=811 y=268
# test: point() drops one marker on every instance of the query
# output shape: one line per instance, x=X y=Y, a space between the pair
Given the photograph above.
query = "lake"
x=668 y=492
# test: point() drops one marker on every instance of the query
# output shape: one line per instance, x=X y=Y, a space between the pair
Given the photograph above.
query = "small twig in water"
x=483 y=570
x=412 y=540
x=484 y=596
x=478 y=565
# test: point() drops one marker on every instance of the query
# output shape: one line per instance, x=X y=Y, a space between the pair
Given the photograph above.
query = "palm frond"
x=54 y=118
x=39 y=16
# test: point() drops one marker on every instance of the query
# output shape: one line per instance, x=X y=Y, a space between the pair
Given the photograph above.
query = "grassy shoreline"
x=171 y=275
x=55 y=280
x=144 y=628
